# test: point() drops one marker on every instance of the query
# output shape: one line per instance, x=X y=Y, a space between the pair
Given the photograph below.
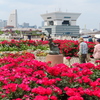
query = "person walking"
x=83 y=50
x=96 y=52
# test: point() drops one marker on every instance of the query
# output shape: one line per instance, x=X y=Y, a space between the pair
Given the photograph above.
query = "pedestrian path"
x=65 y=61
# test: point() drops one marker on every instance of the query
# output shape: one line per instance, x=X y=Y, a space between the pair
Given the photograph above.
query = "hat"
x=81 y=39
x=98 y=40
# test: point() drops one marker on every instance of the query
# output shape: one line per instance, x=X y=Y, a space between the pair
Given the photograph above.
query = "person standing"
x=96 y=52
x=42 y=37
x=29 y=37
x=83 y=50
x=90 y=39
x=49 y=37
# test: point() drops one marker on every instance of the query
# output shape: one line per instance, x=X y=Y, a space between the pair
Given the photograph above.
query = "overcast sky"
x=30 y=10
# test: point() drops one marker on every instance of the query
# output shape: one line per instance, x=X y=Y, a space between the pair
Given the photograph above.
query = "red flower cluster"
x=24 y=78
x=20 y=42
x=67 y=47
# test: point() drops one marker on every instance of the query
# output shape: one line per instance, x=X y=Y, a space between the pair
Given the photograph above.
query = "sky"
x=30 y=11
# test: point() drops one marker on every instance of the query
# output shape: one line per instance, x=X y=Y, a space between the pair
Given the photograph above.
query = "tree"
x=1 y=32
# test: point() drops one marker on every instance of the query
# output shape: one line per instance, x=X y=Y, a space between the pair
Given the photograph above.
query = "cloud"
x=2 y=2
x=30 y=10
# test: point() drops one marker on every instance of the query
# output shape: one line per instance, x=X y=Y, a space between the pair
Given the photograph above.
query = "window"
x=66 y=22
x=51 y=23
x=48 y=17
x=67 y=17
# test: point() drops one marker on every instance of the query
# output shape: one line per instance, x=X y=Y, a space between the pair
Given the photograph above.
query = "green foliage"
x=95 y=75
x=42 y=47
x=17 y=31
x=15 y=48
x=1 y=32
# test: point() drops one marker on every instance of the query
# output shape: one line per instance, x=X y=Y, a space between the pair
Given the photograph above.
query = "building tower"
x=60 y=23
x=12 y=21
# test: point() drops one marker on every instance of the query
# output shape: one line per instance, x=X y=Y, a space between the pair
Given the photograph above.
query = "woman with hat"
x=83 y=50
x=96 y=52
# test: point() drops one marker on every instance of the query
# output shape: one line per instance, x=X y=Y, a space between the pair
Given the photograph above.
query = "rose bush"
x=15 y=45
x=24 y=78
x=71 y=47
x=67 y=47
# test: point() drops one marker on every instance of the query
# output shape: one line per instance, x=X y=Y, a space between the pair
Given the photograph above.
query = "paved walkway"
x=65 y=61
x=73 y=59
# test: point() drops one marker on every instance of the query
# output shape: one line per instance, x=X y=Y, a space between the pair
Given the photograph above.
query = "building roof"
x=60 y=15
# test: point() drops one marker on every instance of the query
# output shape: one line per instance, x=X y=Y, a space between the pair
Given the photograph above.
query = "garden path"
x=72 y=61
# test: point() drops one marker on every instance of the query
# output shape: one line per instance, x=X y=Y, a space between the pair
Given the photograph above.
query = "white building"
x=58 y=23
x=25 y=25
x=12 y=21
x=3 y=23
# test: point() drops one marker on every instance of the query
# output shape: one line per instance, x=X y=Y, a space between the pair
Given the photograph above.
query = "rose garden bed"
x=67 y=47
x=22 y=77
